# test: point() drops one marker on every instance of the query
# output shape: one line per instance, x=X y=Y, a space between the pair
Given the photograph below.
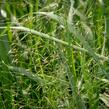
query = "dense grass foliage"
x=54 y=54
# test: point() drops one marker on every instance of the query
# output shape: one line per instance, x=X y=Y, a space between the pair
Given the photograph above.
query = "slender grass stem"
x=103 y=48
x=20 y=28
x=104 y=42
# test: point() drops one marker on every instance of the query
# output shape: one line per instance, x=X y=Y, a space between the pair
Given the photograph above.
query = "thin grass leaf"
x=49 y=7
x=50 y=15
x=105 y=98
x=88 y=31
x=53 y=16
x=105 y=9
x=24 y=72
x=4 y=47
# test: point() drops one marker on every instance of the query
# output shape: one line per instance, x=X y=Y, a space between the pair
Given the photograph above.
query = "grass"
x=54 y=54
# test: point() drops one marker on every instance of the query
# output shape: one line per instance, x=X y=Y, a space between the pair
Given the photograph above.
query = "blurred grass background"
x=37 y=72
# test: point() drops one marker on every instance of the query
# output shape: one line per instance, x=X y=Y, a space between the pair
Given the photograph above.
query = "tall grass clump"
x=54 y=54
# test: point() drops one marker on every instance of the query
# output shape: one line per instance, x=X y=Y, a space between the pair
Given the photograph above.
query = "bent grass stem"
x=21 y=28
